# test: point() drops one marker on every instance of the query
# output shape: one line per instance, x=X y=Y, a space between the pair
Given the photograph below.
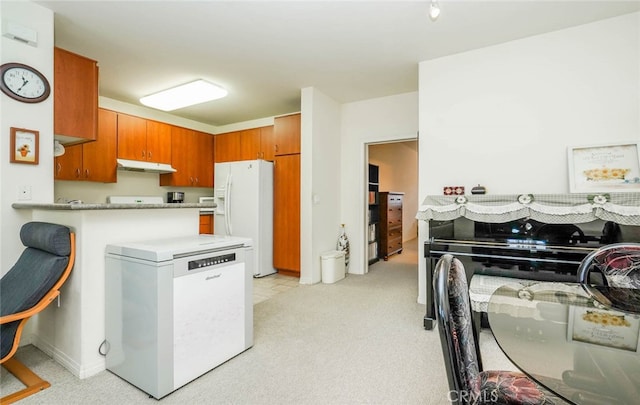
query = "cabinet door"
x=182 y=158
x=204 y=163
x=158 y=142
x=75 y=95
x=287 y=134
x=69 y=165
x=99 y=157
x=286 y=215
x=206 y=223
x=267 y=143
x=227 y=147
x=250 y=144
x=132 y=137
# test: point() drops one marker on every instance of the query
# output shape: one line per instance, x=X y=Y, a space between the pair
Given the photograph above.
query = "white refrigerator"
x=244 y=197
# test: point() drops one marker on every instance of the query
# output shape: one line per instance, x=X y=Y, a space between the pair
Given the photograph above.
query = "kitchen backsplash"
x=129 y=183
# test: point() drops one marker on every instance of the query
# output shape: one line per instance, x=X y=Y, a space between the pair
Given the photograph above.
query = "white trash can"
x=333 y=268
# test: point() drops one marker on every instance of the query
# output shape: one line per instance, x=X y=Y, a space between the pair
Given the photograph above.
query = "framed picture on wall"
x=24 y=146
x=604 y=168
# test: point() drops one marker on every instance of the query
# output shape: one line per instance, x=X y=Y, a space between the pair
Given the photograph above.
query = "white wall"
x=398 y=163
x=382 y=119
x=37 y=117
x=319 y=188
x=504 y=115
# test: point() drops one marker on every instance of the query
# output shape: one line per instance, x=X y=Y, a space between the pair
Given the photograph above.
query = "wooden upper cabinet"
x=141 y=139
x=75 y=97
x=286 y=132
x=267 y=143
x=69 y=165
x=204 y=166
x=192 y=156
x=158 y=142
x=132 y=137
x=181 y=158
x=92 y=161
x=99 y=157
x=227 y=147
x=248 y=144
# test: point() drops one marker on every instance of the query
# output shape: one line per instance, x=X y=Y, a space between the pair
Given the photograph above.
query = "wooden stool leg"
x=27 y=377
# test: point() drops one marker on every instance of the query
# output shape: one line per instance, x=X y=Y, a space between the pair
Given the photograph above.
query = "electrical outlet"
x=24 y=193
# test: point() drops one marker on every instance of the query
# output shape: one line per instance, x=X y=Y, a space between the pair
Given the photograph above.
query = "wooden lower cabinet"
x=206 y=224
x=286 y=214
x=390 y=223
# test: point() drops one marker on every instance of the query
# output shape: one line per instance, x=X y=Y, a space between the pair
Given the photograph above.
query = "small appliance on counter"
x=175 y=197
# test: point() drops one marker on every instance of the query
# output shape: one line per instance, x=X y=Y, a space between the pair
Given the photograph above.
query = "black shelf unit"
x=373 y=214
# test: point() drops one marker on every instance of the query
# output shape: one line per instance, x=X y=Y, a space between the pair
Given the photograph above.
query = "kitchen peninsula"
x=73 y=332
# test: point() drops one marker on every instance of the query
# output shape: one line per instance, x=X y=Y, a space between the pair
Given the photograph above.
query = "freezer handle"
x=227 y=197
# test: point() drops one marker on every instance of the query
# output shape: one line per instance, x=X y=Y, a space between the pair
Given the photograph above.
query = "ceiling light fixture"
x=185 y=95
x=434 y=10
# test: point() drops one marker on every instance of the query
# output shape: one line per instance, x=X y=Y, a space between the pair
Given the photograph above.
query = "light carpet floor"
x=358 y=341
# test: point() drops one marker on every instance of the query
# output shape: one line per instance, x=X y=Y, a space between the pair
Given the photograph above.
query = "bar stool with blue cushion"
x=468 y=382
x=27 y=288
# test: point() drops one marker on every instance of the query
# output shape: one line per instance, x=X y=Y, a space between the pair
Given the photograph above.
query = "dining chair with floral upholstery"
x=619 y=263
x=619 y=266
x=468 y=382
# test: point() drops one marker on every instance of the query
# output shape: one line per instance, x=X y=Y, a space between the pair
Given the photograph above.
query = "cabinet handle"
x=275 y=147
x=143 y=154
x=58 y=168
x=77 y=173
x=86 y=173
x=197 y=180
x=149 y=154
x=191 y=180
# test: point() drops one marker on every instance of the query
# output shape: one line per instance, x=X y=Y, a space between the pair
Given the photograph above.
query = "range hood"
x=140 y=166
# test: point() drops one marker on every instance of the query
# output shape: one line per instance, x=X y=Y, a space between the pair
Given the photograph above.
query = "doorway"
x=392 y=169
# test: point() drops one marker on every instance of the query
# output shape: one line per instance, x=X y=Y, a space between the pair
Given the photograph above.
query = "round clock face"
x=23 y=83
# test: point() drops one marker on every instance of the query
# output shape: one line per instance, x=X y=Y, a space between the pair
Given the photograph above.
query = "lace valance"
x=623 y=208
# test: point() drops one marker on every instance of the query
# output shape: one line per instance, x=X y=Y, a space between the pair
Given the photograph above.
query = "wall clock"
x=23 y=83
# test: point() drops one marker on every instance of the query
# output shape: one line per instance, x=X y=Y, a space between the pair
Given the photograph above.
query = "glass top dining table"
x=569 y=342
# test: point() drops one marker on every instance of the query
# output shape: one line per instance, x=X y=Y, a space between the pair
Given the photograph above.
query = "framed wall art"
x=24 y=146
x=604 y=168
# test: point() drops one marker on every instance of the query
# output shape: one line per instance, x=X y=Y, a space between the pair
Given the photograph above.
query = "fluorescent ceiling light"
x=183 y=96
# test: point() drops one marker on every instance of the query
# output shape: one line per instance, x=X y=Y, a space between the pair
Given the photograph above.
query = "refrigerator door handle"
x=227 y=197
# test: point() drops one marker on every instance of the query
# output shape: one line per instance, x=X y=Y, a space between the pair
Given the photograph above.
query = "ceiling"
x=264 y=52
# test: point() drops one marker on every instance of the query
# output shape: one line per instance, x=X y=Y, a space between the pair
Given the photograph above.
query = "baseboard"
x=67 y=362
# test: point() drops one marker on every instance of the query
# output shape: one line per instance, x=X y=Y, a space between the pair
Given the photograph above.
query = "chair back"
x=457 y=333
x=34 y=280
x=619 y=264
